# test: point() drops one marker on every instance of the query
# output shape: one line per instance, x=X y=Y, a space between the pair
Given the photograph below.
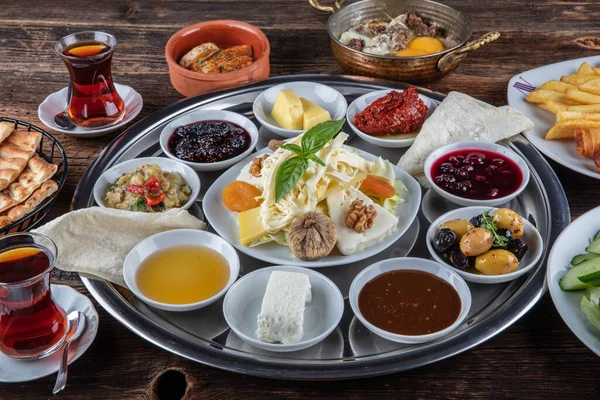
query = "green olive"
x=458 y=226
x=496 y=262
x=477 y=241
x=505 y=218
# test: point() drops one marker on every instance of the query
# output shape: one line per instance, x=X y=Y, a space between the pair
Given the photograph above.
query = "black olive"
x=507 y=233
x=443 y=240
x=518 y=247
x=458 y=259
x=477 y=221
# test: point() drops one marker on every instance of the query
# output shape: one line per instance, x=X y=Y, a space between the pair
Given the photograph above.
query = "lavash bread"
x=95 y=241
x=461 y=117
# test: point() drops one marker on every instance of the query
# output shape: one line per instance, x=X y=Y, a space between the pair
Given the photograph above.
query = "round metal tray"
x=351 y=351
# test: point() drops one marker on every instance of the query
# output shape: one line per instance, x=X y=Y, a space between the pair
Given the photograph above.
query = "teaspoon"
x=62 y=119
x=76 y=327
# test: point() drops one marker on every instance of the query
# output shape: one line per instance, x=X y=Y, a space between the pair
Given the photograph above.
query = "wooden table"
x=537 y=357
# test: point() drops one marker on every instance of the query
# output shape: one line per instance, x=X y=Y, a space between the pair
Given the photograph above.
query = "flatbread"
x=37 y=172
x=15 y=152
x=47 y=189
x=95 y=241
x=6 y=128
x=461 y=117
x=4 y=220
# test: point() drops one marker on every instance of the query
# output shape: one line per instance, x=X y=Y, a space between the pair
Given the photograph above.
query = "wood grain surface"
x=537 y=357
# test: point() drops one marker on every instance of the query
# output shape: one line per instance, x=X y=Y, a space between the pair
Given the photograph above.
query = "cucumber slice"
x=571 y=279
x=594 y=247
x=592 y=279
x=578 y=259
x=597 y=236
x=589 y=306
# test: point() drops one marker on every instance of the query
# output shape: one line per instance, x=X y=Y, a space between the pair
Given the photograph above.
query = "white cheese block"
x=349 y=241
x=281 y=317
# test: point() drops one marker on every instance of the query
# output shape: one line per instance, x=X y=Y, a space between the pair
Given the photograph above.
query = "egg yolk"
x=426 y=44
x=408 y=52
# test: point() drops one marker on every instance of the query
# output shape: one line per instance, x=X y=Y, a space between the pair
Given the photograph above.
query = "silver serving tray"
x=351 y=351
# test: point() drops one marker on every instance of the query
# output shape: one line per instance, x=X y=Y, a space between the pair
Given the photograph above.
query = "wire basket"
x=50 y=150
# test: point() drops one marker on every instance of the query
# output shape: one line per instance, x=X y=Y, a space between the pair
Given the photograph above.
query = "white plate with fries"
x=563 y=100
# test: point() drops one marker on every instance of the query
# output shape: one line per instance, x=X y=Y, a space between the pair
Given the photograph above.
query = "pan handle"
x=317 y=5
x=452 y=59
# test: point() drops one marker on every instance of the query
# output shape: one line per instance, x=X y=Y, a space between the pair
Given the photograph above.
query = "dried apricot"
x=240 y=196
x=372 y=185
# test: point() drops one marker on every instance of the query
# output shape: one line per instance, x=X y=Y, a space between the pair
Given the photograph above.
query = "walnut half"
x=257 y=164
x=359 y=217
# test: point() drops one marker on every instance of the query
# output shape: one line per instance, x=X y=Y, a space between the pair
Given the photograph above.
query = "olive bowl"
x=530 y=235
x=414 y=69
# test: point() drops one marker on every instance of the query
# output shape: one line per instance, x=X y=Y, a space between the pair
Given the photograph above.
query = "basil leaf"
x=294 y=148
x=316 y=137
x=288 y=174
x=317 y=160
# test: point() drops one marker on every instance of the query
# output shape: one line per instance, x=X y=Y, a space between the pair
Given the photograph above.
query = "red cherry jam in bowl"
x=477 y=173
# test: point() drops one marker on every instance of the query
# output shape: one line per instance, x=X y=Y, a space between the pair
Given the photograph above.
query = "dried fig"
x=312 y=236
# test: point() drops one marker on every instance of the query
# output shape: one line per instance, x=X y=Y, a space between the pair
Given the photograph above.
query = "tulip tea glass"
x=31 y=325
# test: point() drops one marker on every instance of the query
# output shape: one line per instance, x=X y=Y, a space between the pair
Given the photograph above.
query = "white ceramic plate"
x=111 y=175
x=322 y=95
x=56 y=103
x=179 y=237
x=224 y=222
x=476 y=145
x=411 y=263
x=243 y=302
x=207 y=115
x=572 y=241
x=561 y=151
x=531 y=236
x=12 y=370
x=391 y=141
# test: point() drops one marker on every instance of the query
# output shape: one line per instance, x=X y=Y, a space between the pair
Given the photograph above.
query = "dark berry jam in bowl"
x=209 y=140
x=476 y=173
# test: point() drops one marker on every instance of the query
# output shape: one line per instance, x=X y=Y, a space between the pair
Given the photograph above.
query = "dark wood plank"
x=537 y=357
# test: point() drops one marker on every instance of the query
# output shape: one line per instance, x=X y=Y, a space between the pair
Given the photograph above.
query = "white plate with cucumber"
x=574 y=277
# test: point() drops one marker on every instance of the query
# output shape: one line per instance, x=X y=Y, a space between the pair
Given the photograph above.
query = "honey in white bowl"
x=182 y=274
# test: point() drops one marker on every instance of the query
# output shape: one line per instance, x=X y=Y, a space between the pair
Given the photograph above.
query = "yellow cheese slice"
x=313 y=114
x=251 y=227
x=287 y=110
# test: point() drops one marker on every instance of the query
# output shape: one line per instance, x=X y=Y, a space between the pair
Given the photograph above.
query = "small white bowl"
x=411 y=263
x=531 y=236
x=56 y=103
x=111 y=175
x=178 y=237
x=475 y=145
x=243 y=302
x=392 y=141
x=208 y=115
x=323 y=96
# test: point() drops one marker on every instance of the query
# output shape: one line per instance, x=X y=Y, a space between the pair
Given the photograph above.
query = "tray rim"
x=529 y=293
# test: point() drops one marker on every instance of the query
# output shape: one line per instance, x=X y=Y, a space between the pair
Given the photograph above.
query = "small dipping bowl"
x=225 y=34
x=209 y=115
x=475 y=146
x=322 y=315
x=179 y=237
x=393 y=141
x=112 y=174
x=416 y=264
x=531 y=236
x=322 y=95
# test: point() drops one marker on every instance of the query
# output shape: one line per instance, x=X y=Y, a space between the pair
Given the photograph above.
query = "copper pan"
x=407 y=69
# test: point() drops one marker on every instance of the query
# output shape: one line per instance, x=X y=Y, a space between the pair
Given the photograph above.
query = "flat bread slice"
x=37 y=172
x=47 y=189
x=4 y=220
x=461 y=117
x=27 y=140
x=6 y=128
x=15 y=152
